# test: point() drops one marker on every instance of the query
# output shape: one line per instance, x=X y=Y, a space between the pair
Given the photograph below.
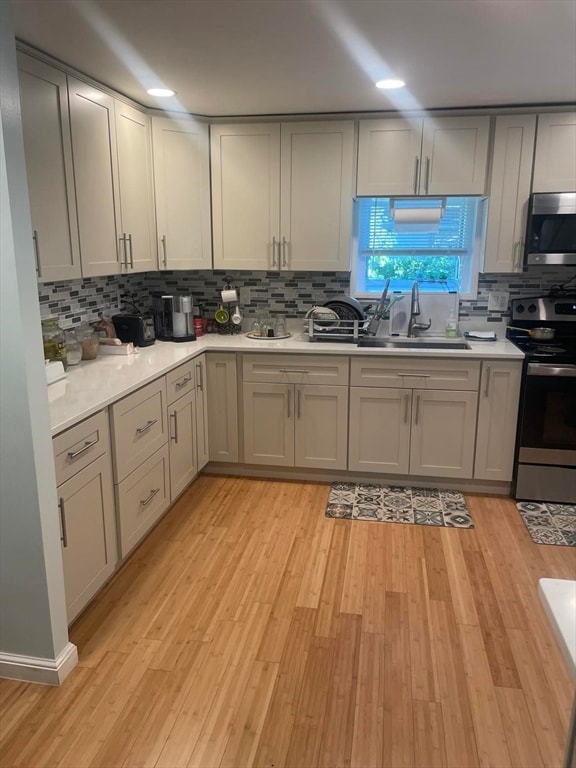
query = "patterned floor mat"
x=549 y=523
x=395 y=504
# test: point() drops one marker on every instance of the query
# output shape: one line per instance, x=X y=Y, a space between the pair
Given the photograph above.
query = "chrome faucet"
x=413 y=326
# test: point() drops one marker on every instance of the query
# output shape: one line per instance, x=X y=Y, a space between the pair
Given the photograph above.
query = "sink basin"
x=404 y=343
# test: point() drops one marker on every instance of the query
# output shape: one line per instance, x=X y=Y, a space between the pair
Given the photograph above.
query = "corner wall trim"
x=39 y=670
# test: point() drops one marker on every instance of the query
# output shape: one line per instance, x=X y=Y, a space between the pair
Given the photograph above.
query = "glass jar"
x=73 y=347
x=54 y=341
x=89 y=341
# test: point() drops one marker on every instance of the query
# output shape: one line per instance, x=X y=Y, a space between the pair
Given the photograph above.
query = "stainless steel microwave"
x=551 y=229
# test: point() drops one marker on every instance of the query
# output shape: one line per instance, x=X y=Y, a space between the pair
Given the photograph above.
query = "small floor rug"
x=395 y=504
x=549 y=523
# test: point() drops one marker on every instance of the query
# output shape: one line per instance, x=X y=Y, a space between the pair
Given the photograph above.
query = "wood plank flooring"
x=250 y=630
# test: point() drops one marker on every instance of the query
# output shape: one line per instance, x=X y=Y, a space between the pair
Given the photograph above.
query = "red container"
x=198 y=327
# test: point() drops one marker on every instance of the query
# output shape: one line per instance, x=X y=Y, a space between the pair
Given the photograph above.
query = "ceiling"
x=266 y=57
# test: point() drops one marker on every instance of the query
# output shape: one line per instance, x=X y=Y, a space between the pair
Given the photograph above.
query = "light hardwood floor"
x=250 y=630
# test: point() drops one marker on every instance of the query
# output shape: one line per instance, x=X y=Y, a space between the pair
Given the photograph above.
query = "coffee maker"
x=173 y=317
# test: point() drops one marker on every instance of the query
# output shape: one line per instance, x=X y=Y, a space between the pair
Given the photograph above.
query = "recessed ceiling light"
x=160 y=92
x=390 y=84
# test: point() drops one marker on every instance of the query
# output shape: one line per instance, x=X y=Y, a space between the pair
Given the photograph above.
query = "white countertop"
x=559 y=599
x=94 y=384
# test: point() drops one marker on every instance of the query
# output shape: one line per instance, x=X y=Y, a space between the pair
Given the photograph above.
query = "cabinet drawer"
x=295 y=369
x=80 y=446
x=180 y=381
x=415 y=374
x=138 y=427
x=142 y=498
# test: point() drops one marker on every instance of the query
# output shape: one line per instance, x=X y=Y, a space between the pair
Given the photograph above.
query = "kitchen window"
x=437 y=242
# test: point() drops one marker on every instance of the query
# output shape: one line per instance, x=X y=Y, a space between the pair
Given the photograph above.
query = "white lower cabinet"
x=295 y=425
x=415 y=429
x=142 y=498
x=202 y=440
x=497 y=418
x=182 y=428
x=86 y=508
x=223 y=406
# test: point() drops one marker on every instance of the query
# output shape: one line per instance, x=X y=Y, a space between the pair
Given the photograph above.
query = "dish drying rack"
x=346 y=330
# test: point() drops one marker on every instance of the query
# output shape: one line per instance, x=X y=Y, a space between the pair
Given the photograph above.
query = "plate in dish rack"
x=268 y=338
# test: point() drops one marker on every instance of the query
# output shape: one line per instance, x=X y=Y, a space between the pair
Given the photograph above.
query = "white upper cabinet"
x=555 y=159
x=137 y=234
x=95 y=173
x=430 y=156
x=182 y=187
x=509 y=192
x=46 y=129
x=282 y=195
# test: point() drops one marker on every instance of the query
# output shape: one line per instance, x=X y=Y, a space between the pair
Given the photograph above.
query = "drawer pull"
x=417 y=409
x=289 y=402
x=200 y=368
x=487 y=388
x=183 y=383
x=406 y=408
x=146 y=426
x=175 y=435
x=293 y=370
x=64 y=536
x=416 y=375
x=147 y=501
x=74 y=454
x=299 y=415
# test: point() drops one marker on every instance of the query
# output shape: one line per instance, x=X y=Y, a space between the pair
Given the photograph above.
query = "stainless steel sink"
x=417 y=343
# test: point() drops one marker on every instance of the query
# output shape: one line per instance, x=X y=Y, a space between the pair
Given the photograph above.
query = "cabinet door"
x=95 y=173
x=182 y=441
x=246 y=196
x=316 y=195
x=269 y=424
x=380 y=420
x=88 y=530
x=555 y=158
x=443 y=433
x=48 y=150
x=135 y=181
x=509 y=192
x=222 y=406
x=321 y=427
x=497 y=417
x=389 y=157
x=202 y=442
x=182 y=188
x=454 y=156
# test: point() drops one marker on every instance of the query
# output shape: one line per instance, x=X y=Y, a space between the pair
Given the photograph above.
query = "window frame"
x=471 y=265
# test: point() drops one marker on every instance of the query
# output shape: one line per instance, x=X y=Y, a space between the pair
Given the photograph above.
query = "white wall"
x=32 y=603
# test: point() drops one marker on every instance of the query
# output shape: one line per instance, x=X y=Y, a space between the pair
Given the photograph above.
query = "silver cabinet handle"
x=146 y=427
x=184 y=382
x=131 y=252
x=274 y=241
x=284 y=246
x=487 y=385
x=123 y=241
x=406 y=407
x=299 y=414
x=416 y=169
x=64 y=537
x=289 y=402
x=164 y=258
x=417 y=416
x=73 y=455
x=175 y=435
x=146 y=501
x=416 y=375
x=293 y=370
x=37 y=253
x=427 y=174
x=517 y=257
x=200 y=368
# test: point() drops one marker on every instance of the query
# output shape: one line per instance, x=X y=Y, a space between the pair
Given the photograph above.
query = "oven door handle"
x=537 y=369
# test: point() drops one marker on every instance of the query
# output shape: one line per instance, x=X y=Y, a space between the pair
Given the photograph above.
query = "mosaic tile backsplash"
x=289 y=293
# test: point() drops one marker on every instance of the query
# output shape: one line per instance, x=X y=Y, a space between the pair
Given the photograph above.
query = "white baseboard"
x=488 y=487
x=38 y=670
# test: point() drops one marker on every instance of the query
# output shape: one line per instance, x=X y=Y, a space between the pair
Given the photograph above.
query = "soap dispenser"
x=451 y=330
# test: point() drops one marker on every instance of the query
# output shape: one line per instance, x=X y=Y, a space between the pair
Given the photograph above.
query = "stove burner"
x=544 y=350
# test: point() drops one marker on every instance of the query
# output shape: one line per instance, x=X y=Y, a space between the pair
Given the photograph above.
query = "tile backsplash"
x=289 y=293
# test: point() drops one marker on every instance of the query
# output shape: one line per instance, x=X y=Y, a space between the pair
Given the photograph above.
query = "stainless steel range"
x=544 y=328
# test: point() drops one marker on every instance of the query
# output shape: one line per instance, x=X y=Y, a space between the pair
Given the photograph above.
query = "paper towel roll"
x=417 y=219
x=230 y=295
